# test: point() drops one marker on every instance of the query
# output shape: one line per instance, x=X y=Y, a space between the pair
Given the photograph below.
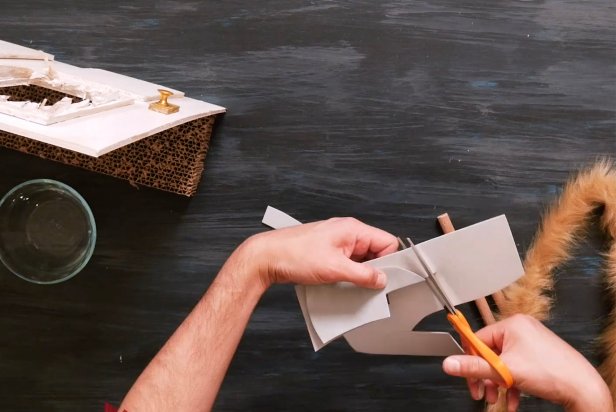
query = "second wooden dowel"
x=482 y=303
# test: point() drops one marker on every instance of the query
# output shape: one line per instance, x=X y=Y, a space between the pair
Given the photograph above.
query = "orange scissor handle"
x=478 y=348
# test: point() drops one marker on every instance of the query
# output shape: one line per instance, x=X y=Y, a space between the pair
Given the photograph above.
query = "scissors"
x=471 y=342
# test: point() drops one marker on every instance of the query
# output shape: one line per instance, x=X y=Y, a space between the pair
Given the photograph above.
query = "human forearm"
x=187 y=372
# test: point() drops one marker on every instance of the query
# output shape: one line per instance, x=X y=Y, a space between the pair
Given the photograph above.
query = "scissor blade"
x=431 y=280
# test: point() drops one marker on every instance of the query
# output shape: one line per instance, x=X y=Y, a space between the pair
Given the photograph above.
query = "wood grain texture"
x=392 y=112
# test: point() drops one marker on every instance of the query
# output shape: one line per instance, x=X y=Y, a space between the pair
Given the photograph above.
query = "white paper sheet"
x=470 y=263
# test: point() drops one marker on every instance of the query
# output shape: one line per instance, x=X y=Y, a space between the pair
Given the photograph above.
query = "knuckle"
x=372 y=275
x=348 y=221
x=471 y=366
x=523 y=320
x=338 y=271
x=475 y=365
x=345 y=224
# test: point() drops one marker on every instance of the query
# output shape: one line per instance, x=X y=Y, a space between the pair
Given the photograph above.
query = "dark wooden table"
x=392 y=112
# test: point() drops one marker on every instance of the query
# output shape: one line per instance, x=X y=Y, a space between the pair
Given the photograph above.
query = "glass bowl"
x=47 y=231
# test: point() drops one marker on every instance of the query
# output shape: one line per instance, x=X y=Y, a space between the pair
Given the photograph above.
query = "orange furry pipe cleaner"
x=562 y=226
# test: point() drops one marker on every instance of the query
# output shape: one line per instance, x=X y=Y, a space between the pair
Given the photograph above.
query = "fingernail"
x=481 y=390
x=451 y=366
x=381 y=280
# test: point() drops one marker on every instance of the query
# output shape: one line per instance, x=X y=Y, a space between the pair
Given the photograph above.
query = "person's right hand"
x=541 y=363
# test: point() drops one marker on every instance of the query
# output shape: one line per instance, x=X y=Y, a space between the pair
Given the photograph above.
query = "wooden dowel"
x=445 y=223
x=482 y=303
x=499 y=299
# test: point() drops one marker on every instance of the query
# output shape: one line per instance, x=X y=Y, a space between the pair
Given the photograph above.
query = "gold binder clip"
x=163 y=106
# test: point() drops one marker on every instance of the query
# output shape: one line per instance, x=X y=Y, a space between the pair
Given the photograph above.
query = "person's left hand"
x=322 y=252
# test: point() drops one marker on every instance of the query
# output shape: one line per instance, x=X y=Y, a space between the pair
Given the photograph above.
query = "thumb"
x=362 y=274
x=468 y=366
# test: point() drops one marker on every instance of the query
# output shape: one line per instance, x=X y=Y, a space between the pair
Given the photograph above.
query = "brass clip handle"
x=162 y=105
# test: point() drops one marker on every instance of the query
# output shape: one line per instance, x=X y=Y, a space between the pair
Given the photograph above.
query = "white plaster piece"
x=140 y=90
x=135 y=87
x=15 y=51
x=470 y=263
x=14 y=75
x=63 y=110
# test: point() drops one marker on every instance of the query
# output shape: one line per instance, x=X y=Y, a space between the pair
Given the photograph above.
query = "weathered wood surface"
x=392 y=112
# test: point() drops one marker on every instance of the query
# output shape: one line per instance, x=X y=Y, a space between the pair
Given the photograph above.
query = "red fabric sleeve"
x=110 y=408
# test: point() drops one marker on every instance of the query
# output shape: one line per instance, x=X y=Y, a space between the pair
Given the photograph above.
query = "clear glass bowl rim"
x=88 y=212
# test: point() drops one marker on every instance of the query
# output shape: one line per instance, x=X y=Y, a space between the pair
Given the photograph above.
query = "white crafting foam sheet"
x=469 y=263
